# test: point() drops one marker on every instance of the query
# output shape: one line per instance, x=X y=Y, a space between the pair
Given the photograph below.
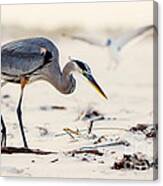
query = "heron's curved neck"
x=63 y=81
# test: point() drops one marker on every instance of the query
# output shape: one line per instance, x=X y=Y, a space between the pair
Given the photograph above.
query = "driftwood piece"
x=125 y=143
x=91 y=151
x=19 y=150
x=53 y=107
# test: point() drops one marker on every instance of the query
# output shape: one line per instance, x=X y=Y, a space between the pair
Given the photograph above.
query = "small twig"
x=70 y=132
x=125 y=143
x=18 y=150
x=55 y=160
x=99 y=128
x=76 y=132
x=58 y=107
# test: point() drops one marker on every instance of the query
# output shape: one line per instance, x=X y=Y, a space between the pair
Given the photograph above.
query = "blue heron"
x=28 y=60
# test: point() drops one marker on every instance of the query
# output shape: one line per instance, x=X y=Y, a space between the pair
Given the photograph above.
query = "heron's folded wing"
x=20 y=58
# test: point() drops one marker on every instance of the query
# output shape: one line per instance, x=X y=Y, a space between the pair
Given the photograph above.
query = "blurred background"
x=51 y=19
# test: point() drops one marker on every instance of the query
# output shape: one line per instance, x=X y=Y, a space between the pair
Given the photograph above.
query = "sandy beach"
x=59 y=123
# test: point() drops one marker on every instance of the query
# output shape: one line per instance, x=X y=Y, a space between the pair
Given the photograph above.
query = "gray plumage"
x=35 y=58
x=23 y=57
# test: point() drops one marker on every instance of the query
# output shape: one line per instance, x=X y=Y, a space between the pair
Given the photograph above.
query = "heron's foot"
x=25 y=144
x=3 y=137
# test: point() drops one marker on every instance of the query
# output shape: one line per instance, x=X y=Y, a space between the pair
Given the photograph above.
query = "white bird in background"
x=117 y=44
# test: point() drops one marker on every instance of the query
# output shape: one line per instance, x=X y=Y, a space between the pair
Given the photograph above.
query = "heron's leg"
x=90 y=127
x=3 y=131
x=3 y=128
x=23 y=82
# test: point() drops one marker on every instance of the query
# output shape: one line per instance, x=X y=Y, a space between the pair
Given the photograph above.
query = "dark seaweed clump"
x=150 y=131
x=133 y=161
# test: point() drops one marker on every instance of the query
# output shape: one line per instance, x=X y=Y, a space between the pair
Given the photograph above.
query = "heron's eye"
x=83 y=66
x=84 y=72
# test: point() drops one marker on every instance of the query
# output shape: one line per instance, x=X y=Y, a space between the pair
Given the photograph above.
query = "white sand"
x=130 y=91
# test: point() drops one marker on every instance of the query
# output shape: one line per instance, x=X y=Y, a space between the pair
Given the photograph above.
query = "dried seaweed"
x=132 y=161
x=150 y=131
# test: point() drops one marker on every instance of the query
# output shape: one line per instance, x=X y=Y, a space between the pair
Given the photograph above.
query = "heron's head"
x=85 y=70
x=109 y=42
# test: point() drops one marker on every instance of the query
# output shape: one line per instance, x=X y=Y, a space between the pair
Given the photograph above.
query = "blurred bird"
x=117 y=44
x=28 y=60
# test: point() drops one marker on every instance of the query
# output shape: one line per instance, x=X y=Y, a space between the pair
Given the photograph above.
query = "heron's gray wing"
x=21 y=58
x=123 y=40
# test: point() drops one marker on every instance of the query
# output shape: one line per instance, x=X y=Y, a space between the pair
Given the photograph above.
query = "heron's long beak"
x=93 y=82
